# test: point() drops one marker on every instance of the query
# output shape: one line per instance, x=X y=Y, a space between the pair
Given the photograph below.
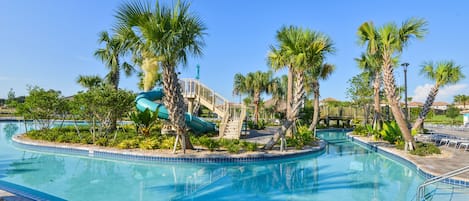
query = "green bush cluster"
x=425 y=149
x=260 y=125
x=391 y=132
x=302 y=138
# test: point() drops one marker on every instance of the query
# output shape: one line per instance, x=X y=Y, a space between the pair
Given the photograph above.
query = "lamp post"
x=405 y=65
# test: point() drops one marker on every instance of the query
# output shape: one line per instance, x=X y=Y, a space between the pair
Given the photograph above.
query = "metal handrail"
x=421 y=188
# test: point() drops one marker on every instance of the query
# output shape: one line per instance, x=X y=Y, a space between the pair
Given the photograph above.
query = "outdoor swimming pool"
x=343 y=171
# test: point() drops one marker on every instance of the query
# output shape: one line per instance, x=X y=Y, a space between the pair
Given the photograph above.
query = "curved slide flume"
x=145 y=100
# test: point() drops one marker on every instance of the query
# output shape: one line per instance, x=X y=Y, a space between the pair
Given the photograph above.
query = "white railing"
x=192 y=88
x=421 y=189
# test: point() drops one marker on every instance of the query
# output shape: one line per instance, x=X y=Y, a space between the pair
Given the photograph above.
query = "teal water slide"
x=145 y=100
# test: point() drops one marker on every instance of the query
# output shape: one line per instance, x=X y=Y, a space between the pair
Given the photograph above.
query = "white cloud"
x=4 y=78
x=445 y=94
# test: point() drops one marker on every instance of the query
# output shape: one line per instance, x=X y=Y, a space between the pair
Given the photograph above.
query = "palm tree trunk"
x=390 y=88
x=256 y=107
x=295 y=110
x=426 y=108
x=174 y=101
x=377 y=106
x=289 y=98
x=315 y=106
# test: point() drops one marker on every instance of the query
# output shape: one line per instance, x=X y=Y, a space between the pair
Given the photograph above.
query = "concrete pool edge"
x=132 y=155
x=405 y=160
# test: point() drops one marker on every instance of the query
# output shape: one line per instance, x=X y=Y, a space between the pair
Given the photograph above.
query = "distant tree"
x=452 y=112
x=89 y=81
x=361 y=92
x=10 y=97
x=111 y=55
x=461 y=99
x=43 y=106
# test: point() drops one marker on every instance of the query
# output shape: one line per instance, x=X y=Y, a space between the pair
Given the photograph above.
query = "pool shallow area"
x=343 y=171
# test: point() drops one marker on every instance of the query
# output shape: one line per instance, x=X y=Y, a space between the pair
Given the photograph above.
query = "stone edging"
x=426 y=173
x=95 y=152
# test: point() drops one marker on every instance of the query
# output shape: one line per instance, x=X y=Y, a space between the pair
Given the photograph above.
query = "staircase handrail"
x=421 y=188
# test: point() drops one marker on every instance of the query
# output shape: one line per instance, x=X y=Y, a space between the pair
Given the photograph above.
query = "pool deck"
x=7 y=196
x=450 y=158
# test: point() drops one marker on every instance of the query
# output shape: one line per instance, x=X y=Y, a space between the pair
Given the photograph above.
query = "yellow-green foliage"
x=149 y=144
x=168 y=143
x=128 y=144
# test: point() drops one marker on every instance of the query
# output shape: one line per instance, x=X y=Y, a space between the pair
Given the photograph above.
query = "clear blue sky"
x=50 y=42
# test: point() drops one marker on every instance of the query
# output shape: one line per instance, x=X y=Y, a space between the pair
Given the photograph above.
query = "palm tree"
x=89 y=81
x=386 y=42
x=369 y=63
x=299 y=49
x=322 y=72
x=115 y=48
x=443 y=73
x=164 y=37
x=461 y=99
x=253 y=84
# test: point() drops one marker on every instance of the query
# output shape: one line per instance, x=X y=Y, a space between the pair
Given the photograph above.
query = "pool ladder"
x=422 y=196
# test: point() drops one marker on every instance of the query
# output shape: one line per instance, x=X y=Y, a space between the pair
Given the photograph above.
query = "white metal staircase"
x=232 y=114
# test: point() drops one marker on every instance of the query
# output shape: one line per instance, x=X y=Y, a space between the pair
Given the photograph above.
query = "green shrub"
x=128 y=144
x=425 y=149
x=360 y=130
x=168 y=143
x=233 y=148
x=209 y=143
x=391 y=132
x=102 y=141
x=148 y=144
x=252 y=147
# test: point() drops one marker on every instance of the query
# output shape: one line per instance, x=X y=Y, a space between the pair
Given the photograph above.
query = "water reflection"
x=10 y=129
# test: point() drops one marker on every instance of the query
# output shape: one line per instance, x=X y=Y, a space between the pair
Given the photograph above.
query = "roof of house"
x=415 y=104
x=440 y=104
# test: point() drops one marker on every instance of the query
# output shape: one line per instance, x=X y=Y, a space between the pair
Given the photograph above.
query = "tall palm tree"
x=386 y=43
x=321 y=72
x=164 y=37
x=300 y=49
x=254 y=84
x=443 y=73
x=369 y=63
x=89 y=81
x=115 y=48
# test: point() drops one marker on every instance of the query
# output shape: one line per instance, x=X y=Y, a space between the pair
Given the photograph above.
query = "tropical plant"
x=385 y=43
x=115 y=48
x=443 y=73
x=315 y=74
x=89 y=81
x=370 y=64
x=461 y=99
x=144 y=121
x=299 y=49
x=254 y=84
x=391 y=132
x=163 y=36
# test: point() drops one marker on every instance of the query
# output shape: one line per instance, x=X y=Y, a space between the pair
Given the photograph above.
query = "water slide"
x=145 y=100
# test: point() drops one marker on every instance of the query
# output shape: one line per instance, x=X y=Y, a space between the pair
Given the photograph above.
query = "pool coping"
x=133 y=155
x=386 y=152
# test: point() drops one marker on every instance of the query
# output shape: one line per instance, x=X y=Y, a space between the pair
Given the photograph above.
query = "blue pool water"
x=343 y=171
